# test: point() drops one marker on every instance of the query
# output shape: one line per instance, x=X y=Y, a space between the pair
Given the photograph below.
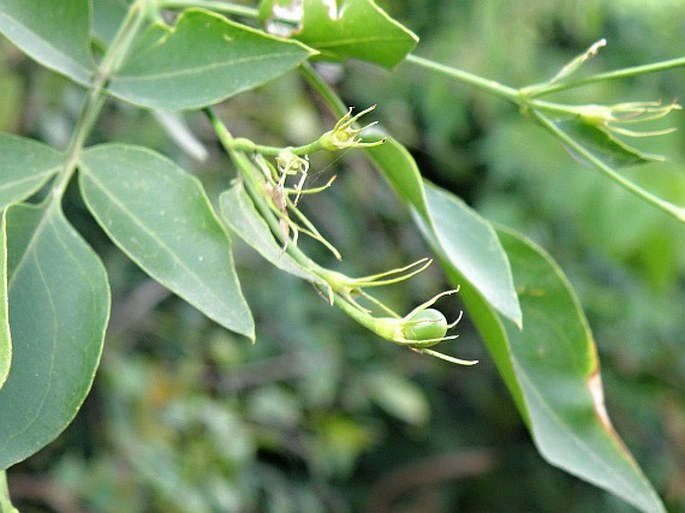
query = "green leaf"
x=204 y=59
x=552 y=370
x=399 y=168
x=243 y=218
x=357 y=29
x=455 y=231
x=603 y=145
x=160 y=216
x=25 y=166
x=55 y=34
x=59 y=306
x=470 y=244
x=491 y=329
x=5 y=337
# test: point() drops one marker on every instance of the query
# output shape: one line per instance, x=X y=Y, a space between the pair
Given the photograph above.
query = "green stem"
x=5 y=502
x=225 y=7
x=89 y=113
x=532 y=107
x=325 y=91
x=669 y=208
x=611 y=75
x=519 y=97
x=551 y=107
x=95 y=100
x=248 y=146
x=330 y=97
x=251 y=179
x=508 y=93
x=355 y=312
x=254 y=186
x=483 y=84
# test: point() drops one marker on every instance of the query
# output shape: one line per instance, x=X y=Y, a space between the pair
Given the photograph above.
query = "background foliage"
x=318 y=416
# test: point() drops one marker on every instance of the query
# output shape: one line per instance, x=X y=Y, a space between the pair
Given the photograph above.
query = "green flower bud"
x=425 y=324
x=595 y=115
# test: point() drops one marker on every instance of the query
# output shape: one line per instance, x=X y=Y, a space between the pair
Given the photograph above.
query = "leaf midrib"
x=197 y=69
x=40 y=227
x=564 y=426
x=18 y=27
x=355 y=40
x=149 y=233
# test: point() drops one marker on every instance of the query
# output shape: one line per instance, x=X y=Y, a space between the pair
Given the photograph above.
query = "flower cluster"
x=268 y=171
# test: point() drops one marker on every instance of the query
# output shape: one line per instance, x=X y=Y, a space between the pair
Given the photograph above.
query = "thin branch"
x=669 y=208
x=484 y=84
x=613 y=75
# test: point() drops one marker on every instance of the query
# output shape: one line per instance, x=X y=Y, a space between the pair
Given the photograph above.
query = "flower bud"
x=346 y=135
x=595 y=115
x=425 y=324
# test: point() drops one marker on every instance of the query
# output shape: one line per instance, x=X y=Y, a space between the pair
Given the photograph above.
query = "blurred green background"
x=321 y=416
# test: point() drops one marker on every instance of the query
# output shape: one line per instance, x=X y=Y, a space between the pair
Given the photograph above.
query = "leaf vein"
x=16 y=26
x=611 y=469
x=199 y=69
x=146 y=231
